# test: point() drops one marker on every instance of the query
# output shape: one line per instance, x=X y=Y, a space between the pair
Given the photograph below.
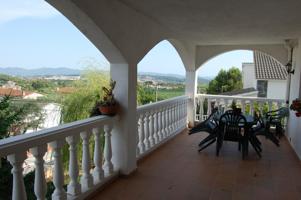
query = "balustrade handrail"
x=212 y=96
x=25 y=141
x=159 y=104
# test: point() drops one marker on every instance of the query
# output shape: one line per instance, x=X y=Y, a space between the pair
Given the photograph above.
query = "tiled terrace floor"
x=177 y=171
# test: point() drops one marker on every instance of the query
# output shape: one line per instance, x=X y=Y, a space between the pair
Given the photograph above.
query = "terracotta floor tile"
x=177 y=171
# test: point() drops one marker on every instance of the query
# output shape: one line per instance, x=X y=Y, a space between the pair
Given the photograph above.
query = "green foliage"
x=145 y=95
x=146 y=92
x=17 y=116
x=226 y=81
x=79 y=104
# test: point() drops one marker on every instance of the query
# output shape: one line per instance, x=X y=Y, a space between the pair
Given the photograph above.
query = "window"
x=262 y=87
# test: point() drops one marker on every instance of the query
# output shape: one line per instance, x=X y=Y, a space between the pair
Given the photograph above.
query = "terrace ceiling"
x=135 y=26
x=225 y=22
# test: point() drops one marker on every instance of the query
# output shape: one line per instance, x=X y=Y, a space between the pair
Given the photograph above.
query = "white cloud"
x=15 y=9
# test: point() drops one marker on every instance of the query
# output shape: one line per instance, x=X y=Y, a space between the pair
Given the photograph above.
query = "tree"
x=79 y=104
x=226 y=81
x=145 y=94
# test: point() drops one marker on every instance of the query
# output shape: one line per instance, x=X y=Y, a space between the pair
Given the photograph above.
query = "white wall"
x=276 y=89
x=248 y=75
x=294 y=125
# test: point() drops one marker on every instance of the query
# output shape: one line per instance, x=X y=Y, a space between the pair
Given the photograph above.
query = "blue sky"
x=34 y=35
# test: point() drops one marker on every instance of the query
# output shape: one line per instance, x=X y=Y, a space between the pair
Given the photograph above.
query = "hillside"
x=168 y=78
x=142 y=76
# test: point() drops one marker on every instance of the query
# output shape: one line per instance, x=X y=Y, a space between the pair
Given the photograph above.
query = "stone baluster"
x=138 y=152
x=208 y=107
x=166 y=116
x=251 y=107
x=155 y=127
x=170 y=120
x=260 y=105
x=142 y=134
x=86 y=179
x=73 y=188
x=270 y=104
x=201 y=109
x=16 y=160
x=40 y=186
x=178 y=115
x=172 y=127
x=183 y=113
x=151 y=129
x=58 y=177
x=278 y=104
x=146 y=131
x=159 y=128
x=243 y=106
x=108 y=165
x=98 y=173
x=163 y=133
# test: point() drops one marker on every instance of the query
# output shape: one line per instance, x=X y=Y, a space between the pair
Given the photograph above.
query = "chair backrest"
x=231 y=124
x=208 y=125
x=277 y=114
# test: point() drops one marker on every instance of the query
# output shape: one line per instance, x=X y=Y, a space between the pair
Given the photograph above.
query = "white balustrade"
x=160 y=121
x=36 y=143
x=249 y=104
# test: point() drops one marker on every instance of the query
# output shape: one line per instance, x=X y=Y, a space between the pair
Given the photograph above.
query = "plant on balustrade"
x=108 y=104
x=296 y=106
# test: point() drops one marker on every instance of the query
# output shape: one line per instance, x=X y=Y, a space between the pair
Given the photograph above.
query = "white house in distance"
x=266 y=77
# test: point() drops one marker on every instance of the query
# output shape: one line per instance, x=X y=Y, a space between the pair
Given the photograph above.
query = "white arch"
x=89 y=29
x=205 y=53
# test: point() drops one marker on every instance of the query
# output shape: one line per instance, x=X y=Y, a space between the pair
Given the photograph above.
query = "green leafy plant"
x=108 y=96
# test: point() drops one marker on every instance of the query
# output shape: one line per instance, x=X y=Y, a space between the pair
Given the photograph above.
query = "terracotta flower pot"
x=108 y=110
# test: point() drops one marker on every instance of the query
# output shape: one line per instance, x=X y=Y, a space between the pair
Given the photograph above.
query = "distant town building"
x=14 y=90
x=11 y=85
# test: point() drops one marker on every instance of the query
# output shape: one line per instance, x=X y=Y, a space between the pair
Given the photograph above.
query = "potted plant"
x=296 y=106
x=108 y=104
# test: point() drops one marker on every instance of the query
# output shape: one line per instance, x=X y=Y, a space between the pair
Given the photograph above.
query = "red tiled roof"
x=11 y=92
x=266 y=67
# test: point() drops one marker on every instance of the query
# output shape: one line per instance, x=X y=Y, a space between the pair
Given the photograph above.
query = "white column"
x=16 y=160
x=73 y=188
x=39 y=179
x=86 y=179
x=191 y=90
x=98 y=173
x=58 y=177
x=125 y=132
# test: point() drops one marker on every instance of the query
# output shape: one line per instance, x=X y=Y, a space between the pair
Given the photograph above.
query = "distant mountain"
x=168 y=78
x=39 y=72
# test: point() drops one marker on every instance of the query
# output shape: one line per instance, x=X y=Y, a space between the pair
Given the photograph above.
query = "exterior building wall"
x=276 y=89
x=248 y=75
